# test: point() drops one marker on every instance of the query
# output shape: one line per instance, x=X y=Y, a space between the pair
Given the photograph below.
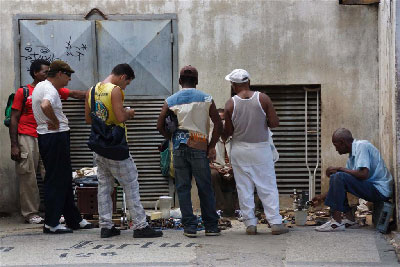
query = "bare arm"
x=161 y=121
x=228 y=129
x=77 y=94
x=216 y=133
x=13 y=131
x=47 y=109
x=361 y=174
x=87 y=109
x=268 y=107
x=122 y=114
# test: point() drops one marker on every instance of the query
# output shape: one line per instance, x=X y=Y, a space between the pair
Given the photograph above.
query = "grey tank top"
x=249 y=120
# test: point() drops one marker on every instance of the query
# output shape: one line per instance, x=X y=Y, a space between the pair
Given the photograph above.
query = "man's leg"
x=126 y=173
x=26 y=171
x=245 y=190
x=216 y=184
x=265 y=181
x=51 y=151
x=202 y=174
x=340 y=183
x=183 y=184
x=104 y=190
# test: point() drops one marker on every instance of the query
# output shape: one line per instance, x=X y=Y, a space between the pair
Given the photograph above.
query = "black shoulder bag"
x=108 y=141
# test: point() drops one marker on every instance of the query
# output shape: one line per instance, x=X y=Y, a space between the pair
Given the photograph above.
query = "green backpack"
x=7 y=111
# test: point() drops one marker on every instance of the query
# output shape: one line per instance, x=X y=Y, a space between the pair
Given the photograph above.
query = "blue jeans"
x=190 y=162
x=340 y=183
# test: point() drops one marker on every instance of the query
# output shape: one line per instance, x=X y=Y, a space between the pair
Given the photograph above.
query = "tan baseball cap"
x=59 y=65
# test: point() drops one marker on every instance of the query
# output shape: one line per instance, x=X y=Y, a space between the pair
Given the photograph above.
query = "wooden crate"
x=87 y=200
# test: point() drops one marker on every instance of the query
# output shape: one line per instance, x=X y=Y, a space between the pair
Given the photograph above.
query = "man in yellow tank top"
x=109 y=101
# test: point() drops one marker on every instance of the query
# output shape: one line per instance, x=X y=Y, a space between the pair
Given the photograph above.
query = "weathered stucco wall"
x=278 y=42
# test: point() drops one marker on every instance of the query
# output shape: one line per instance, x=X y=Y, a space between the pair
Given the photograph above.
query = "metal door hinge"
x=172 y=38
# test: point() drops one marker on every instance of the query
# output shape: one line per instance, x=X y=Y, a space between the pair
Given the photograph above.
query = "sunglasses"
x=67 y=73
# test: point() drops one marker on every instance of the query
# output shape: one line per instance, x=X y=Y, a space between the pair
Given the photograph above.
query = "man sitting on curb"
x=365 y=176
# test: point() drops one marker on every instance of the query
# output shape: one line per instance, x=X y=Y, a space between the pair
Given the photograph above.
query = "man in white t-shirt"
x=54 y=148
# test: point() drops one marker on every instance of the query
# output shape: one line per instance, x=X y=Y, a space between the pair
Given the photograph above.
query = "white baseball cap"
x=238 y=76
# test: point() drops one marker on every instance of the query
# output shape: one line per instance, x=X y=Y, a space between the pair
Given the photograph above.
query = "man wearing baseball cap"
x=191 y=149
x=248 y=115
x=54 y=148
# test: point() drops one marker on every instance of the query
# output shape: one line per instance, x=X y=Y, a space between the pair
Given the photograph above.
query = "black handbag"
x=108 y=141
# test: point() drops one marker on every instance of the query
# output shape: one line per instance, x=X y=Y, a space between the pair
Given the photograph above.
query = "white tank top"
x=249 y=120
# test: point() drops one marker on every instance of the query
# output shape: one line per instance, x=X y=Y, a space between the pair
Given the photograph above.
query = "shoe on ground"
x=59 y=229
x=190 y=233
x=278 y=229
x=147 y=232
x=349 y=224
x=331 y=226
x=213 y=232
x=251 y=230
x=109 y=232
x=35 y=219
x=85 y=225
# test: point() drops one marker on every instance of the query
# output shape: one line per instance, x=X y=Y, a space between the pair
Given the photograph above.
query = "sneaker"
x=59 y=229
x=349 y=224
x=190 y=233
x=85 y=225
x=147 y=232
x=251 y=230
x=35 y=219
x=331 y=226
x=278 y=229
x=213 y=232
x=106 y=232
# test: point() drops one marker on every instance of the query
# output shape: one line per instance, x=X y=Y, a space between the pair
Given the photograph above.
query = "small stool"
x=381 y=214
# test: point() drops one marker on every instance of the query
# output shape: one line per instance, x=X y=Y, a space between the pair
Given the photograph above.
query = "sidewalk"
x=24 y=244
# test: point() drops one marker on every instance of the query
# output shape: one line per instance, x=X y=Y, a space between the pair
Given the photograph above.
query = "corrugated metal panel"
x=143 y=139
x=289 y=137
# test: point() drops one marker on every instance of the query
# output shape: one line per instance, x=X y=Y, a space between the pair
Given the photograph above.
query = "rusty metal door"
x=69 y=40
x=146 y=45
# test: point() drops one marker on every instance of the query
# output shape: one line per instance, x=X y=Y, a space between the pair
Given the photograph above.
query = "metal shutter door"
x=289 y=137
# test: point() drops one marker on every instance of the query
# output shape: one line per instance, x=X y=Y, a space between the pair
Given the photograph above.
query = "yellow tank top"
x=103 y=103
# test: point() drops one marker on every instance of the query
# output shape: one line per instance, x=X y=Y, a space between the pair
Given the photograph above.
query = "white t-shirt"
x=46 y=90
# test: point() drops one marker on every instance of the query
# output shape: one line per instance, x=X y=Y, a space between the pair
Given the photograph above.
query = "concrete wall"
x=278 y=42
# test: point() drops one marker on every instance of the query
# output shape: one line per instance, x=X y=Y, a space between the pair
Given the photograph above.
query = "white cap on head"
x=238 y=76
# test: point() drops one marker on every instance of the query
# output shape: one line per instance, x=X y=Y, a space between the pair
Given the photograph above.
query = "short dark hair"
x=220 y=110
x=188 y=79
x=37 y=66
x=124 y=69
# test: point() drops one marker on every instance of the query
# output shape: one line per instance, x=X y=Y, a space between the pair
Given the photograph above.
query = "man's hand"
x=332 y=170
x=131 y=112
x=317 y=200
x=15 y=153
x=211 y=154
x=53 y=126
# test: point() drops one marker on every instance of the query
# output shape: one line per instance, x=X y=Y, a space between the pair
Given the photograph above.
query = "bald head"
x=342 y=134
x=342 y=139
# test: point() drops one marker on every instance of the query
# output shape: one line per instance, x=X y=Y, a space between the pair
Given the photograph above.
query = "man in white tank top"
x=247 y=117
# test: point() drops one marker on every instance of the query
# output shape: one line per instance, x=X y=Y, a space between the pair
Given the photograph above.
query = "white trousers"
x=253 y=167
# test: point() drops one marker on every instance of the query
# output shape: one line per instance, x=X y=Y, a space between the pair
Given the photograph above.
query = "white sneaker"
x=349 y=224
x=35 y=219
x=331 y=226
